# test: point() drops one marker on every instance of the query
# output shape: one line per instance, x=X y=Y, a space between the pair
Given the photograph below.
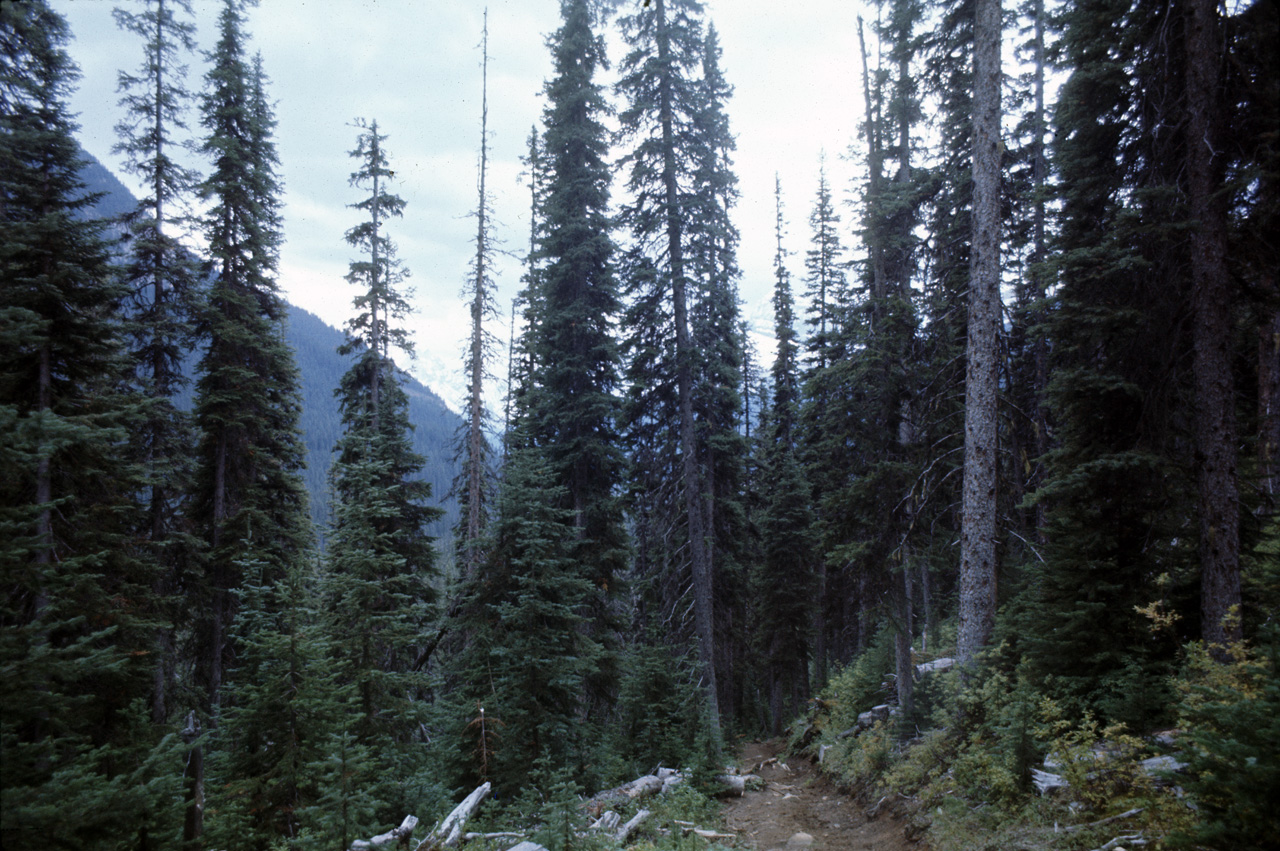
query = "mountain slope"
x=315 y=347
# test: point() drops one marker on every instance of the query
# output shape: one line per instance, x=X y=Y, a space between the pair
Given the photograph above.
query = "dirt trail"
x=797 y=799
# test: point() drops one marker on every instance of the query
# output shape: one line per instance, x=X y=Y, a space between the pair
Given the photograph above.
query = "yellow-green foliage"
x=859 y=761
x=1230 y=715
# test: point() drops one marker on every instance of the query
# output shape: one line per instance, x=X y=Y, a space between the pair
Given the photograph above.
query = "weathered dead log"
x=450 y=830
x=471 y=837
x=946 y=663
x=399 y=834
x=527 y=846
x=1121 y=817
x=735 y=785
x=1135 y=839
x=643 y=787
x=1047 y=783
x=624 y=832
x=709 y=835
x=607 y=821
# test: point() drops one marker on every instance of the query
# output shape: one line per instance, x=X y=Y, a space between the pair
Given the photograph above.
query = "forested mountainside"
x=992 y=535
x=435 y=427
x=320 y=369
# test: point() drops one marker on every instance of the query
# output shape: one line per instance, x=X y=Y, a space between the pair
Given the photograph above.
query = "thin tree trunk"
x=1215 y=416
x=978 y=522
x=1040 y=172
x=1269 y=407
x=475 y=421
x=703 y=582
x=874 y=168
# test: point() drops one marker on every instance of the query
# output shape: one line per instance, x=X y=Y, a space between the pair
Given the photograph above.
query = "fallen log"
x=624 y=832
x=1127 y=814
x=946 y=663
x=735 y=785
x=1135 y=839
x=1047 y=783
x=450 y=830
x=709 y=835
x=398 y=834
x=607 y=821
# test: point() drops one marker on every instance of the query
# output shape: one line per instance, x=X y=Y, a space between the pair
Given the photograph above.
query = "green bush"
x=1231 y=717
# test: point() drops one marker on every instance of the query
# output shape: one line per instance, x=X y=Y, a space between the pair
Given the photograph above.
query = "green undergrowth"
x=960 y=769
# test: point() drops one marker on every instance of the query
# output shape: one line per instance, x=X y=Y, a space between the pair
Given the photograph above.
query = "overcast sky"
x=415 y=67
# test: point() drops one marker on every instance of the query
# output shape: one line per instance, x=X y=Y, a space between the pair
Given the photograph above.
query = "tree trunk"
x=978 y=523
x=1215 y=416
x=475 y=422
x=703 y=583
x=1269 y=407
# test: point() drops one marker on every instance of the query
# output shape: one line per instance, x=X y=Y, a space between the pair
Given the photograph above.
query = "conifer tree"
x=249 y=502
x=572 y=409
x=473 y=482
x=377 y=588
x=283 y=712
x=77 y=613
x=1117 y=492
x=828 y=297
x=662 y=97
x=530 y=655
x=717 y=343
x=163 y=277
x=784 y=587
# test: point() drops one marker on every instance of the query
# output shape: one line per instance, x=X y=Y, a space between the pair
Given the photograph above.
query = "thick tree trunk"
x=979 y=523
x=1215 y=416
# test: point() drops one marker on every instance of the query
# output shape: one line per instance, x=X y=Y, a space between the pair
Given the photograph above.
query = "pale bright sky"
x=414 y=66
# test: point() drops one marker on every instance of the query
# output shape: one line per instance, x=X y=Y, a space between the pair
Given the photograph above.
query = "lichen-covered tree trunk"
x=979 y=522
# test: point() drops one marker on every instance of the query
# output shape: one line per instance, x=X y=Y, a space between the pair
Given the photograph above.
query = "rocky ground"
x=800 y=808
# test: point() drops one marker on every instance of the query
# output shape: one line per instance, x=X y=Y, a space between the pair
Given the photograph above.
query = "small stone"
x=800 y=840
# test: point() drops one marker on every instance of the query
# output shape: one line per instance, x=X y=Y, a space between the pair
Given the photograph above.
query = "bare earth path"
x=796 y=800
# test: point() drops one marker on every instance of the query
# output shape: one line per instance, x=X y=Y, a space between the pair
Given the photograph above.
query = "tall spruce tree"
x=377 y=589
x=77 y=613
x=572 y=409
x=783 y=585
x=249 y=502
x=828 y=297
x=718 y=347
x=163 y=277
x=660 y=87
x=1117 y=494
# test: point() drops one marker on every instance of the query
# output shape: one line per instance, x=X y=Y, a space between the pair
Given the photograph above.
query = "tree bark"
x=1215 y=416
x=1269 y=407
x=979 y=524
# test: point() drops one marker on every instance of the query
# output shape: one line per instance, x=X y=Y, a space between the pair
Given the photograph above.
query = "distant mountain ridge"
x=315 y=346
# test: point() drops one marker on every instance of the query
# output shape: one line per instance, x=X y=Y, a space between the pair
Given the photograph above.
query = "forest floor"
x=799 y=807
